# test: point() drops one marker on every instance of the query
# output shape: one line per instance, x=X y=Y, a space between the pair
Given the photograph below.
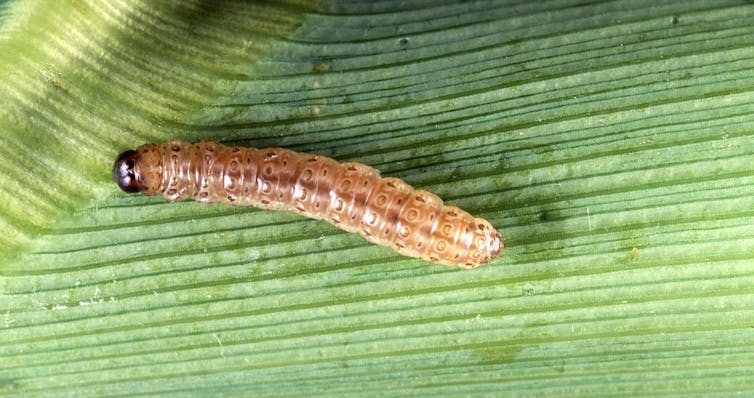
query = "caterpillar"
x=351 y=196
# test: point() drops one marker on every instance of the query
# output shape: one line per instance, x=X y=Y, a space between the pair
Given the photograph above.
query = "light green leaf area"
x=612 y=144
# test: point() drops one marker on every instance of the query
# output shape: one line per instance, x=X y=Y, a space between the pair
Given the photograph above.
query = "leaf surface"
x=612 y=143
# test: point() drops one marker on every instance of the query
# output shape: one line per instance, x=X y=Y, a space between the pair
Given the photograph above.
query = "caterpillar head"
x=139 y=170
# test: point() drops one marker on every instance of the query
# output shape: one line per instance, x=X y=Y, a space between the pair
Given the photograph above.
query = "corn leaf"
x=611 y=142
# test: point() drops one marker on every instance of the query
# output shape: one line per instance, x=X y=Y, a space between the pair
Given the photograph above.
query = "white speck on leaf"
x=588 y=219
x=8 y=320
x=222 y=350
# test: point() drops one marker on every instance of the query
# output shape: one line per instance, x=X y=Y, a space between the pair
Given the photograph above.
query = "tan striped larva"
x=351 y=196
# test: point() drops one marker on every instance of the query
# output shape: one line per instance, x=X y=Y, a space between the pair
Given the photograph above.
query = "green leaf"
x=612 y=143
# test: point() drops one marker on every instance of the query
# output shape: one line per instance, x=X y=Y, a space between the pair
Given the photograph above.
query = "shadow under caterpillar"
x=351 y=196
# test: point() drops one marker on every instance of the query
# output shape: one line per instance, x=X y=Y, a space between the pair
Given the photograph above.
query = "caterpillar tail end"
x=487 y=245
x=495 y=246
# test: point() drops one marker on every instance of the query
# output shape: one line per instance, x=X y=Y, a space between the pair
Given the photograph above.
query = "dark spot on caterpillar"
x=384 y=211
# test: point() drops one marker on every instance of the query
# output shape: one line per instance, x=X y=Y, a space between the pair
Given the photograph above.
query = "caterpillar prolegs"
x=351 y=196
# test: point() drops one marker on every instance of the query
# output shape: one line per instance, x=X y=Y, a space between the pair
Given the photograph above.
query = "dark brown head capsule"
x=126 y=173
